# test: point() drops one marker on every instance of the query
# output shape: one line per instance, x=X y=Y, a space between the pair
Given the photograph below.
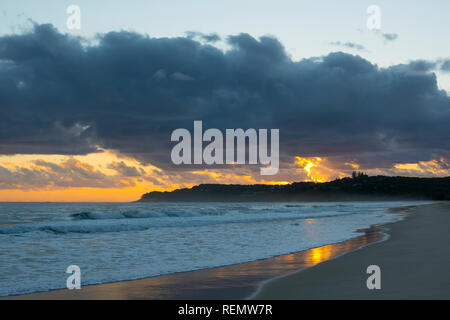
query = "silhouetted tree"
x=358 y=175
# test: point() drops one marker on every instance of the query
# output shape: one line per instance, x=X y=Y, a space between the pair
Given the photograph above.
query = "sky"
x=87 y=113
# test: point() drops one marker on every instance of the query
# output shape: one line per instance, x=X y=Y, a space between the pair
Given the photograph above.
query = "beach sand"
x=414 y=262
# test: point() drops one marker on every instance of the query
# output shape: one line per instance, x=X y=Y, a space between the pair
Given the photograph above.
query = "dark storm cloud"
x=129 y=91
x=422 y=65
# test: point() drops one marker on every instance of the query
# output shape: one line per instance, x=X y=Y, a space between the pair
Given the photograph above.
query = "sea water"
x=123 y=241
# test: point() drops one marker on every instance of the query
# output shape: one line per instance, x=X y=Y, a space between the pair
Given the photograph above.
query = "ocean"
x=124 y=241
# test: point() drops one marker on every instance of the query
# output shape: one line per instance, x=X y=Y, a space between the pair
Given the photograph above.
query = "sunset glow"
x=110 y=176
x=312 y=168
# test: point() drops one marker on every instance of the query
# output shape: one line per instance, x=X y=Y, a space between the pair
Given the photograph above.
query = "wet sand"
x=414 y=262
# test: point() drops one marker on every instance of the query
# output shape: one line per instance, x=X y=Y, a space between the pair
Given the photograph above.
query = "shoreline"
x=237 y=281
x=413 y=264
x=381 y=229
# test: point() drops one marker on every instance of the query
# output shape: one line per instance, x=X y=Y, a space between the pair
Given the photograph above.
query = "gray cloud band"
x=128 y=92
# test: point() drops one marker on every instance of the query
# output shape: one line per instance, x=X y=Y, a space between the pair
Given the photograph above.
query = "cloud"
x=181 y=76
x=212 y=37
x=128 y=92
x=422 y=65
x=126 y=171
x=350 y=45
x=445 y=66
x=389 y=36
x=435 y=167
x=69 y=173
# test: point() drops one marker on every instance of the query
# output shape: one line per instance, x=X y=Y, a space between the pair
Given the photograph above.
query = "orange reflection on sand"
x=320 y=254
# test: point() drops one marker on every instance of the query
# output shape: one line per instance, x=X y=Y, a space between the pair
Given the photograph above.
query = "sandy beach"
x=414 y=261
x=414 y=264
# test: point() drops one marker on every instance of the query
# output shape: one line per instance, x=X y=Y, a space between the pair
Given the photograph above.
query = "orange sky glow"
x=110 y=177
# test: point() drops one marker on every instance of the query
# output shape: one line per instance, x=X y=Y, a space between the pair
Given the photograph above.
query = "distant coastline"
x=359 y=188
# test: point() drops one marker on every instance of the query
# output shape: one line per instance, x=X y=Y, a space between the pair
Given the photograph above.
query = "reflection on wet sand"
x=229 y=282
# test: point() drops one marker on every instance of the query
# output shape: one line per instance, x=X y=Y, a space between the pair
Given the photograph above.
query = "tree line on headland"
x=359 y=187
